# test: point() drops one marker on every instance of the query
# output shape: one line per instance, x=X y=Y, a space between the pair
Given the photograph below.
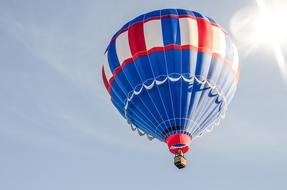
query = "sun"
x=270 y=28
x=269 y=24
x=263 y=27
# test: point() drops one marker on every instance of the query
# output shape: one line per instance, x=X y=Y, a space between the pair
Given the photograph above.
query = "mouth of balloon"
x=178 y=142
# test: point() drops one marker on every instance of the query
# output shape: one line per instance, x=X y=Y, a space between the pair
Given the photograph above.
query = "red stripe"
x=127 y=61
x=112 y=80
x=136 y=38
x=189 y=47
x=107 y=85
x=204 y=34
x=173 y=47
x=204 y=49
x=118 y=69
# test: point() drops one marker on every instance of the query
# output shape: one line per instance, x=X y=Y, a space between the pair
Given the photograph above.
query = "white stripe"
x=235 y=64
x=188 y=31
x=107 y=69
x=218 y=41
x=123 y=47
x=153 y=34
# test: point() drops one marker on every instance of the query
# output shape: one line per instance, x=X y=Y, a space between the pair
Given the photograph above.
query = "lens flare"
x=263 y=26
x=270 y=28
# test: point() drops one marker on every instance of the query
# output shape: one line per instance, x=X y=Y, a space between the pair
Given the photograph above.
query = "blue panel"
x=171 y=35
x=123 y=83
x=171 y=31
x=144 y=69
x=185 y=12
x=202 y=65
x=185 y=97
x=132 y=75
x=138 y=117
x=143 y=103
x=215 y=70
x=112 y=57
x=118 y=107
x=168 y=12
x=165 y=93
x=225 y=72
x=117 y=94
x=152 y=14
x=158 y=65
x=137 y=19
x=176 y=99
x=186 y=60
x=173 y=61
x=198 y=15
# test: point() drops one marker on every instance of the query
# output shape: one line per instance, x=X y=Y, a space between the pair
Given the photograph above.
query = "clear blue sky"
x=58 y=129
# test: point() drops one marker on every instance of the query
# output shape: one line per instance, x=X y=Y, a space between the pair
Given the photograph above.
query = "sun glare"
x=270 y=24
x=263 y=26
x=270 y=27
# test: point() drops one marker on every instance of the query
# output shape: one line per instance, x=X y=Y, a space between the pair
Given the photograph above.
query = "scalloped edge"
x=208 y=129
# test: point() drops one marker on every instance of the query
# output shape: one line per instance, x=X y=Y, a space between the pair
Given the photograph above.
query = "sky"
x=59 y=130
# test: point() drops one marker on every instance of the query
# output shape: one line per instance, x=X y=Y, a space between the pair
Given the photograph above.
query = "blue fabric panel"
x=225 y=72
x=176 y=97
x=173 y=61
x=152 y=14
x=202 y=64
x=157 y=63
x=148 y=108
x=214 y=70
x=132 y=75
x=198 y=15
x=201 y=57
x=168 y=12
x=137 y=19
x=112 y=57
x=117 y=93
x=164 y=91
x=123 y=83
x=170 y=31
x=118 y=106
x=144 y=69
x=141 y=120
x=171 y=35
x=185 y=97
x=186 y=58
x=185 y=12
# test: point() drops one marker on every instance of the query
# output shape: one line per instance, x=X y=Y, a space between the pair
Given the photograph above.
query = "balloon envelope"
x=171 y=74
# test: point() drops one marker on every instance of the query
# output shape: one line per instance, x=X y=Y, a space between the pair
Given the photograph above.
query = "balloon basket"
x=179 y=161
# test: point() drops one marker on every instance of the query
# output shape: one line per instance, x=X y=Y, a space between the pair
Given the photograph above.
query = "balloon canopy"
x=171 y=74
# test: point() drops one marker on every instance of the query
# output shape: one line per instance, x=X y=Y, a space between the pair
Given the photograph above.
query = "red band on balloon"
x=106 y=82
x=173 y=47
x=136 y=38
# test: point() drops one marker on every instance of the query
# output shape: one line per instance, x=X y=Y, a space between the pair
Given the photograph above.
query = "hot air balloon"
x=171 y=74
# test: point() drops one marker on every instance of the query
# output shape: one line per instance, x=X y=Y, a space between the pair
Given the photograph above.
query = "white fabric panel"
x=188 y=31
x=235 y=64
x=123 y=47
x=107 y=69
x=153 y=34
x=218 y=41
